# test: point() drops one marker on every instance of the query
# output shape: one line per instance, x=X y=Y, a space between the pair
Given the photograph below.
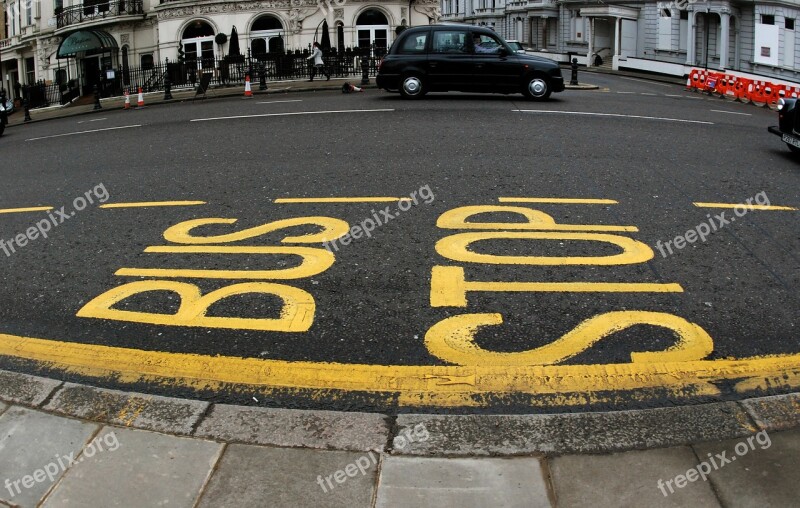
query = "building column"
x=690 y=38
x=617 y=45
x=724 y=22
x=589 y=62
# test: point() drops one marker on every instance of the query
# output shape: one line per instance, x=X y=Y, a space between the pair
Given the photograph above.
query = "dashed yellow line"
x=564 y=201
x=144 y=204
x=745 y=205
x=473 y=385
x=28 y=209
x=376 y=199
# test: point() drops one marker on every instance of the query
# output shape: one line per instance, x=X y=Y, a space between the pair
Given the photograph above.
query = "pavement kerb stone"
x=450 y=435
x=181 y=95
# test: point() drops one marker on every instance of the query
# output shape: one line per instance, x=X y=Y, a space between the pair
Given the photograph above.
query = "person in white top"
x=318 y=64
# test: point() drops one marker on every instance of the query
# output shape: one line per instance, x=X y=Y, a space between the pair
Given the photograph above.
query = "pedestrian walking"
x=318 y=65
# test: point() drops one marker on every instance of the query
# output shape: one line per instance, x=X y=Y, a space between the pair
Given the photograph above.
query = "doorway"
x=91 y=73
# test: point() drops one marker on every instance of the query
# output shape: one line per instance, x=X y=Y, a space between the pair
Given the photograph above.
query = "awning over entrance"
x=95 y=41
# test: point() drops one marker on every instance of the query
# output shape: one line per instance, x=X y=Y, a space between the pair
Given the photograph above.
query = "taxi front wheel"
x=538 y=88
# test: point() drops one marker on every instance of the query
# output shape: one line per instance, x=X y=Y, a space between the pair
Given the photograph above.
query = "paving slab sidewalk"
x=54 y=461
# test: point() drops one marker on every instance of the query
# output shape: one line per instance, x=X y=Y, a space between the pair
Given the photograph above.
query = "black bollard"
x=3 y=112
x=262 y=76
x=97 y=98
x=574 y=79
x=364 y=70
x=167 y=84
x=26 y=104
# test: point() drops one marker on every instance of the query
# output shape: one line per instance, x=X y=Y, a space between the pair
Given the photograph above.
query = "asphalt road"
x=387 y=325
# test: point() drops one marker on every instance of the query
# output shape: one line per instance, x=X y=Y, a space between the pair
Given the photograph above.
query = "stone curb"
x=116 y=103
x=450 y=435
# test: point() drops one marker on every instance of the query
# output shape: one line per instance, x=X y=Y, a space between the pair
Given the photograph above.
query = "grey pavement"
x=55 y=461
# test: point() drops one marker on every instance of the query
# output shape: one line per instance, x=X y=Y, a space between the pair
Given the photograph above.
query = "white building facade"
x=57 y=40
x=669 y=37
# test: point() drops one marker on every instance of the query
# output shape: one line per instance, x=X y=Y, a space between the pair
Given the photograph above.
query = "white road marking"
x=730 y=112
x=672 y=95
x=646 y=93
x=291 y=114
x=277 y=102
x=83 y=132
x=695 y=98
x=95 y=120
x=584 y=113
x=626 y=92
x=645 y=81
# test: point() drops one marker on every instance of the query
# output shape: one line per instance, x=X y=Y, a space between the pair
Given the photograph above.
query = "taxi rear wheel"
x=412 y=87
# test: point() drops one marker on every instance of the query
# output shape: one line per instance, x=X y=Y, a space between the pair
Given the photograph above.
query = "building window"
x=267 y=35
x=30 y=70
x=578 y=28
x=147 y=62
x=789 y=22
x=373 y=26
x=665 y=30
x=767 y=19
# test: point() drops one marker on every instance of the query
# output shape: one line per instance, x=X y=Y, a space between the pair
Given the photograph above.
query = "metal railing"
x=90 y=12
x=230 y=71
x=41 y=95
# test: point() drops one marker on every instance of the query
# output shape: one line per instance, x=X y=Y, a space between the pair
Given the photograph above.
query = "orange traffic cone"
x=140 y=102
x=127 y=100
x=247 y=91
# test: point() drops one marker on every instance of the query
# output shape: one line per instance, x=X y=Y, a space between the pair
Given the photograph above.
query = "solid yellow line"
x=377 y=199
x=744 y=205
x=565 y=201
x=576 y=287
x=29 y=209
x=143 y=204
x=413 y=385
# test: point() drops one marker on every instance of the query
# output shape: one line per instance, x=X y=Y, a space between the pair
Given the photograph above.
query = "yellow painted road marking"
x=143 y=204
x=458 y=218
x=449 y=287
x=453 y=340
x=744 y=205
x=426 y=385
x=376 y=199
x=297 y=313
x=583 y=201
x=313 y=262
x=28 y=209
x=457 y=248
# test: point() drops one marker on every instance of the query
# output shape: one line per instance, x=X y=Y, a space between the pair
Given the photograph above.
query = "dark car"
x=788 y=127
x=440 y=58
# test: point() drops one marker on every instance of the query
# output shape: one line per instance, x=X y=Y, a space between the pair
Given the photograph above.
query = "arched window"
x=373 y=27
x=266 y=35
x=198 y=44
